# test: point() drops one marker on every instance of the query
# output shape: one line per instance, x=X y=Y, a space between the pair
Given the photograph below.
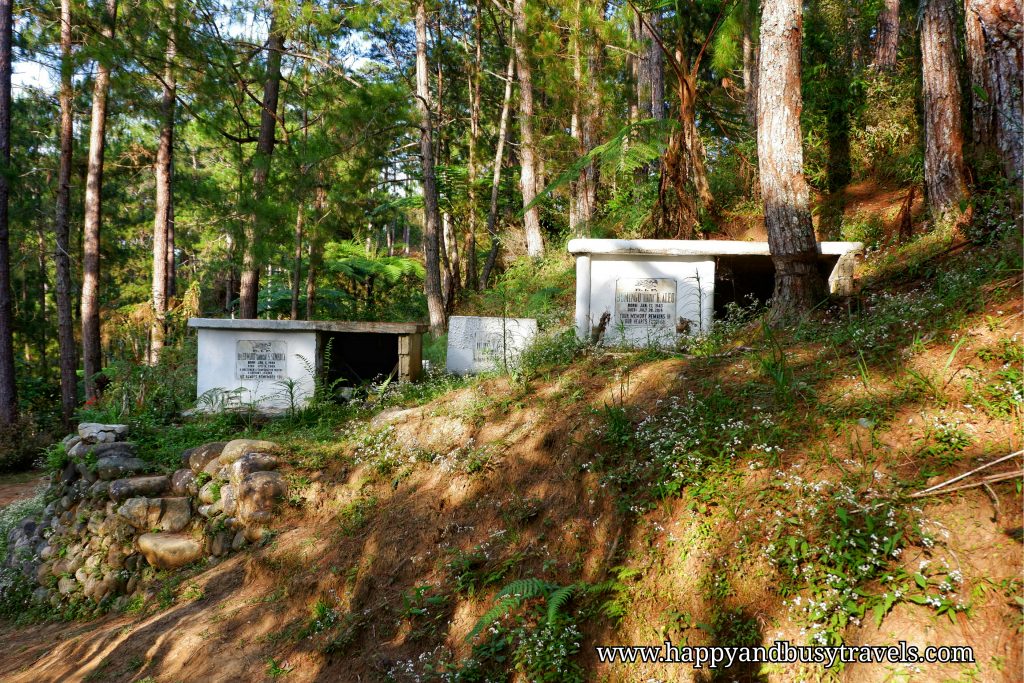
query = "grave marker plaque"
x=645 y=302
x=261 y=359
x=477 y=344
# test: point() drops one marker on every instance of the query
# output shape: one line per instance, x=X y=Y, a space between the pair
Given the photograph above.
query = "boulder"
x=169 y=551
x=99 y=489
x=166 y=514
x=213 y=467
x=228 y=499
x=117 y=466
x=239 y=447
x=259 y=494
x=196 y=458
x=86 y=473
x=100 y=450
x=210 y=492
x=116 y=557
x=141 y=513
x=219 y=544
x=137 y=487
x=249 y=463
x=69 y=474
x=66 y=585
x=70 y=440
x=183 y=483
x=94 y=432
x=177 y=513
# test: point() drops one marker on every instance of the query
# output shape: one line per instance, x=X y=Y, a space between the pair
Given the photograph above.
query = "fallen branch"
x=966 y=474
x=985 y=481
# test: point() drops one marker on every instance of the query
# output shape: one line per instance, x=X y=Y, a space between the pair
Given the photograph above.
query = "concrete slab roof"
x=596 y=247
x=308 y=325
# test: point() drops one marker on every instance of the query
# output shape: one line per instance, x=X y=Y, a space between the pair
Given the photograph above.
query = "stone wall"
x=109 y=515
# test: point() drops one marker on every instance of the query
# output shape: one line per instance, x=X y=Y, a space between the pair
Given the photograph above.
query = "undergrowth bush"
x=16 y=601
x=837 y=546
x=682 y=444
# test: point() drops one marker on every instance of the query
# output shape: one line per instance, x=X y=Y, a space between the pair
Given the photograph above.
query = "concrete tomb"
x=269 y=364
x=477 y=344
x=652 y=292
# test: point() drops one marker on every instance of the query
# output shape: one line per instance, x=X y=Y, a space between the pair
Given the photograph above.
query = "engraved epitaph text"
x=261 y=359
x=645 y=302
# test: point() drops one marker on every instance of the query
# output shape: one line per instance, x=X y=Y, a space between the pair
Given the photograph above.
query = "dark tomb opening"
x=745 y=279
x=358 y=357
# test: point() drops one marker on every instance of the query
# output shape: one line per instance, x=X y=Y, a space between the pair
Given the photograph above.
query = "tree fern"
x=634 y=146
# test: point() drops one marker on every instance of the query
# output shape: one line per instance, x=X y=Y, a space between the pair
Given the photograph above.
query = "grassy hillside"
x=756 y=486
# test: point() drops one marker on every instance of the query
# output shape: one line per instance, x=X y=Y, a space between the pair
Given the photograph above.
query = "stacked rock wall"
x=109 y=515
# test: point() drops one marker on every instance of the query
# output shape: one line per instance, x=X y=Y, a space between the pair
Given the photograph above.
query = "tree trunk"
x=798 y=284
x=256 y=227
x=982 y=122
x=297 y=262
x=474 y=138
x=431 y=214
x=316 y=251
x=887 y=36
x=683 y=186
x=944 y=177
x=499 y=152
x=656 y=66
x=1001 y=26
x=61 y=258
x=750 y=58
x=91 y=349
x=527 y=150
x=164 y=191
x=8 y=389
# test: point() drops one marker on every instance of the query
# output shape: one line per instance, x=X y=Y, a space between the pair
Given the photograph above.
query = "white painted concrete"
x=595 y=247
x=626 y=287
x=630 y=281
x=239 y=367
x=479 y=344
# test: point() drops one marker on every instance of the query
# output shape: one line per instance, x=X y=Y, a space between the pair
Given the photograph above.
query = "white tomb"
x=651 y=292
x=270 y=365
x=480 y=344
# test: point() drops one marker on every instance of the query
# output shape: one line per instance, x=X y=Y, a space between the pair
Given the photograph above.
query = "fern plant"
x=519 y=592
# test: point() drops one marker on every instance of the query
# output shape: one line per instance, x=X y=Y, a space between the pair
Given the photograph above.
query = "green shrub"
x=21 y=443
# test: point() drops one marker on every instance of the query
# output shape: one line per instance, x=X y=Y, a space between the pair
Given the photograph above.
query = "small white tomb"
x=270 y=365
x=478 y=344
x=651 y=292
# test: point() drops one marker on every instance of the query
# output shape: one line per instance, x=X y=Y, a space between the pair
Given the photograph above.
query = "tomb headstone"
x=480 y=344
x=653 y=292
x=270 y=365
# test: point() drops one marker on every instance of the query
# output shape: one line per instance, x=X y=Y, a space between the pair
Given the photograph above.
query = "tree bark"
x=750 y=60
x=474 y=74
x=1001 y=28
x=887 y=36
x=316 y=251
x=164 y=191
x=431 y=213
x=256 y=227
x=944 y=177
x=798 y=284
x=8 y=389
x=499 y=155
x=90 y=305
x=62 y=259
x=297 y=262
x=527 y=149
